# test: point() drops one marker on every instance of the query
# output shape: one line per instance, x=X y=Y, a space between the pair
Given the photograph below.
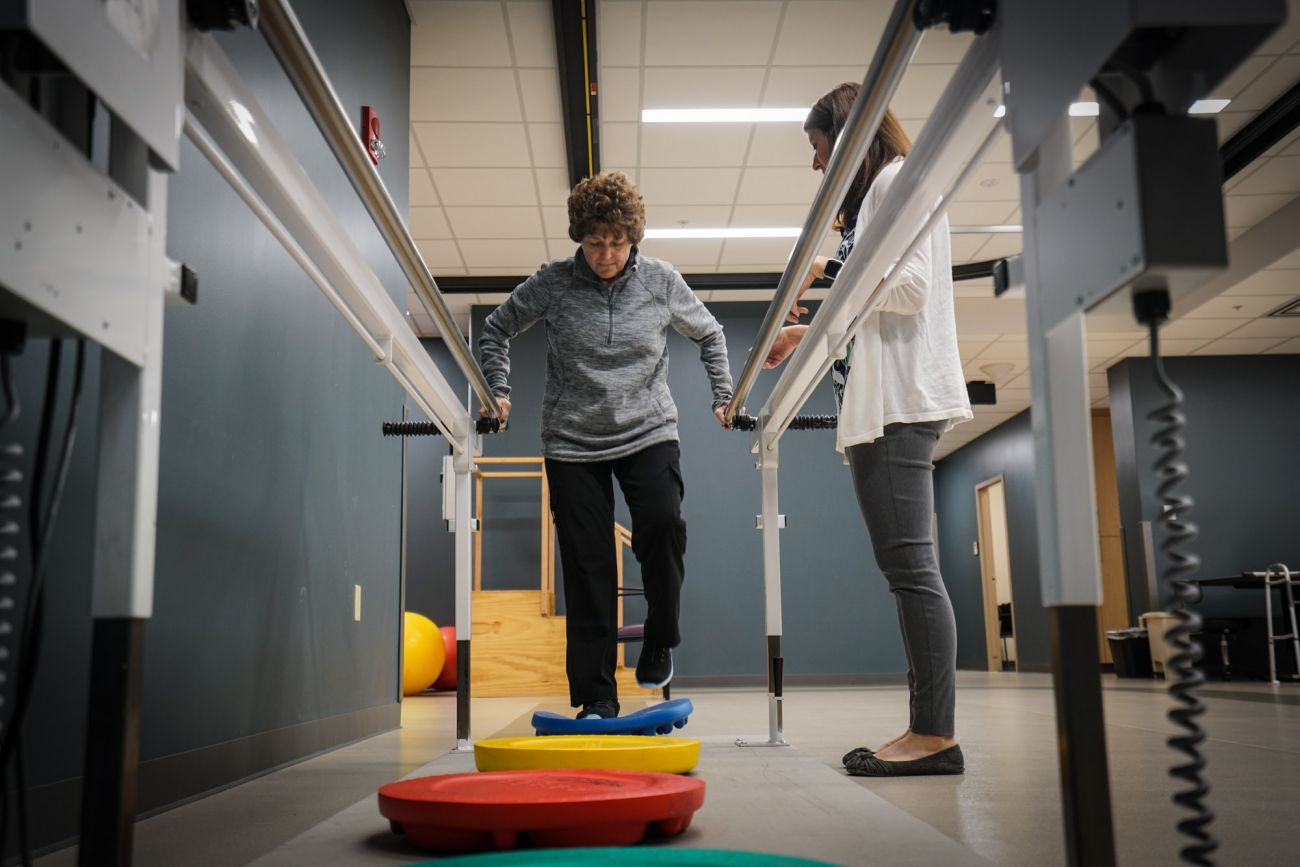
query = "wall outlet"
x=356 y=602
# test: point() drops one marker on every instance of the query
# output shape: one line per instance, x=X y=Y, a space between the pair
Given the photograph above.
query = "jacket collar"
x=584 y=271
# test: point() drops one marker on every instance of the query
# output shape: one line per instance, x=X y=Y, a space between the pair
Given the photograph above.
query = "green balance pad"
x=633 y=856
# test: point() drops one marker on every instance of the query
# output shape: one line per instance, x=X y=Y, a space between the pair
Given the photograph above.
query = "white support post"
x=770 y=522
x=463 y=464
x=1070 y=571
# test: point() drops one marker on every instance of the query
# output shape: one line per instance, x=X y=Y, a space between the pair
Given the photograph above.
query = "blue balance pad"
x=659 y=719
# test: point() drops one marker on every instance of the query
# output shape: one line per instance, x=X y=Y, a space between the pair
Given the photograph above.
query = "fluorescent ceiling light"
x=723 y=115
x=682 y=234
x=1077 y=109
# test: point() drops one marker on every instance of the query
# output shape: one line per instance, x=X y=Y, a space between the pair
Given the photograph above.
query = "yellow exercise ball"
x=424 y=654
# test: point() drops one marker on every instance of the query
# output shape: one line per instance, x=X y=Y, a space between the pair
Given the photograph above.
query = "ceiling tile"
x=980 y=213
x=619 y=26
x=1238 y=346
x=553 y=185
x=414 y=151
x=1203 y=328
x=618 y=142
x=778 y=186
x=1005 y=349
x=541 y=95
x=693 y=216
x=458 y=33
x=421 y=189
x=429 y=223
x=1272 y=83
x=1290 y=347
x=790 y=86
x=773 y=251
x=547 y=140
x=468 y=145
x=920 y=89
x=990 y=182
x=1235 y=307
x=620 y=95
x=1229 y=122
x=560 y=248
x=683 y=254
x=808 y=37
x=969 y=348
x=532 y=32
x=772 y=215
x=702 y=87
x=507 y=255
x=475 y=186
x=556 y=221
x=681 y=33
x=1279 y=327
x=686 y=145
x=494 y=222
x=940 y=46
x=1278 y=175
x=1290 y=260
x=689 y=186
x=1002 y=245
x=1269 y=282
x=964 y=247
x=1249 y=210
x=1110 y=347
x=633 y=174
x=463 y=94
x=440 y=255
x=1246 y=72
x=779 y=144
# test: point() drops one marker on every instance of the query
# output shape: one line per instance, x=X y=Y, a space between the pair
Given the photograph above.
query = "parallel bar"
x=290 y=45
x=897 y=45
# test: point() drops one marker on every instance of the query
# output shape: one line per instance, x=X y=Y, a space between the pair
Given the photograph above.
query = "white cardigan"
x=905 y=366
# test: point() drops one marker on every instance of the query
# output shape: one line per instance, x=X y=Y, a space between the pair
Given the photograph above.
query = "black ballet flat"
x=854 y=757
x=868 y=764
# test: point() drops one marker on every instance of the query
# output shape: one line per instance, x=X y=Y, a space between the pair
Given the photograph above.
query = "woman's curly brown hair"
x=608 y=201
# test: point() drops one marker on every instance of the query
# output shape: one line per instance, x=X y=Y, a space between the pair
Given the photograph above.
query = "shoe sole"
x=661 y=684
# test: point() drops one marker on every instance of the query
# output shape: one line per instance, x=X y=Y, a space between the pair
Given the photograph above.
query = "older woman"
x=607 y=414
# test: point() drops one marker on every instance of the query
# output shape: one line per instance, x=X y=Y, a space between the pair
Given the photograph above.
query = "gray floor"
x=1005 y=810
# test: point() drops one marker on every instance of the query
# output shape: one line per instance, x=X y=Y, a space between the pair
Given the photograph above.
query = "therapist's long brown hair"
x=828 y=114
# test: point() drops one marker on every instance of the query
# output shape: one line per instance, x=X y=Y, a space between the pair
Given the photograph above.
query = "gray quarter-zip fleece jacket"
x=606 y=353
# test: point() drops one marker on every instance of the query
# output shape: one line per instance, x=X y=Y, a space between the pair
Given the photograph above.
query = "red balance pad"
x=490 y=810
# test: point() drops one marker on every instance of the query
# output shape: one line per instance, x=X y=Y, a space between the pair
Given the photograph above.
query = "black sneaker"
x=655 y=667
x=603 y=709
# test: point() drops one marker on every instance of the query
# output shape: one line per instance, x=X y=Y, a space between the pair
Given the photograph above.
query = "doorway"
x=994 y=552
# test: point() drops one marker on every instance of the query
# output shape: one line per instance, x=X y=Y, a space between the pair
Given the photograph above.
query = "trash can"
x=1157 y=624
x=1131 y=652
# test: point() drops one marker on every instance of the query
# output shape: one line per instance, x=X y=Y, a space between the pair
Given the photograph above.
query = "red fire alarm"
x=370 y=134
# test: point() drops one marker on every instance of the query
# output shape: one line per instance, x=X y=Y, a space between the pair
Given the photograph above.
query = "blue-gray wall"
x=1007 y=451
x=1243 y=414
x=839 y=618
x=276 y=492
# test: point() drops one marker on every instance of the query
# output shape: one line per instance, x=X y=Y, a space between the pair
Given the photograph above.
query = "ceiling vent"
x=1290 y=308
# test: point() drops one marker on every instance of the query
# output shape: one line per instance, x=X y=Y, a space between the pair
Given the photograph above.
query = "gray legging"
x=894 y=480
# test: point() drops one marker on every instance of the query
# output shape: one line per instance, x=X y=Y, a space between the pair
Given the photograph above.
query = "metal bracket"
x=780 y=522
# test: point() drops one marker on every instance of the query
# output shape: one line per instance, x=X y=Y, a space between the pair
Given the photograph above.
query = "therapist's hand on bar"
x=818 y=272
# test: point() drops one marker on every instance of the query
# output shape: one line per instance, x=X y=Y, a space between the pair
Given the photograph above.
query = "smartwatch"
x=833 y=267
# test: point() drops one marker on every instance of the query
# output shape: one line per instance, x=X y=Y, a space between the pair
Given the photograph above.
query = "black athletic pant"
x=582 y=498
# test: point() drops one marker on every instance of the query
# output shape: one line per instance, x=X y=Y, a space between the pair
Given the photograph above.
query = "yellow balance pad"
x=664 y=755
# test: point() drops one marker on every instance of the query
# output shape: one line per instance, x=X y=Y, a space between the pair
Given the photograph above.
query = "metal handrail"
x=289 y=43
x=897 y=45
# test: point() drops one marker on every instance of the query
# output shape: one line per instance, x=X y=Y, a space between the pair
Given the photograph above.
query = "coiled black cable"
x=1152 y=306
